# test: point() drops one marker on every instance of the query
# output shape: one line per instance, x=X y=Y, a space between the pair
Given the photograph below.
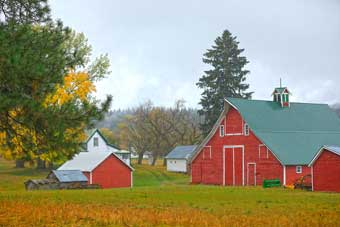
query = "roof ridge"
x=261 y=100
x=300 y=131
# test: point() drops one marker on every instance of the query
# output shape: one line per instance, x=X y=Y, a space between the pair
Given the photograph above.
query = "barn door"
x=233 y=165
x=251 y=174
x=228 y=166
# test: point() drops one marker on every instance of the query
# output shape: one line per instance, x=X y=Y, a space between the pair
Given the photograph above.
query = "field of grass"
x=160 y=199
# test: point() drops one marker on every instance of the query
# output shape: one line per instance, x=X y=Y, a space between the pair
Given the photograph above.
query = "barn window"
x=95 y=142
x=246 y=129
x=221 y=130
x=298 y=169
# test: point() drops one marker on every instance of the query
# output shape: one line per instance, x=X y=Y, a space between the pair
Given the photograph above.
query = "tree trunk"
x=164 y=162
x=140 y=158
x=50 y=165
x=154 y=160
x=19 y=163
x=41 y=164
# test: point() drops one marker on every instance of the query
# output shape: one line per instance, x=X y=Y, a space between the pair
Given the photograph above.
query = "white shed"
x=177 y=159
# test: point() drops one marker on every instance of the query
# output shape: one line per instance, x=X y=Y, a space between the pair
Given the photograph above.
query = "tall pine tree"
x=226 y=78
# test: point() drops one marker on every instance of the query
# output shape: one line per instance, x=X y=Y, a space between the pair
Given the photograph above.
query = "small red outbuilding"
x=103 y=168
x=326 y=169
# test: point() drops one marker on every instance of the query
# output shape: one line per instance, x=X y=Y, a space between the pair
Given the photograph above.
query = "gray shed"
x=60 y=179
x=177 y=159
x=66 y=176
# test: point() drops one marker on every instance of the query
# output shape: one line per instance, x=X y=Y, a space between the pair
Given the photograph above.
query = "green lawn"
x=160 y=198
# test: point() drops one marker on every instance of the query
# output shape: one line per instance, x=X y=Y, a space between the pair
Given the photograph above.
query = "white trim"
x=227 y=101
x=131 y=172
x=284 y=175
x=115 y=155
x=233 y=166
x=199 y=148
x=300 y=169
x=312 y=173
x=227 y=105
x=91 y=177
x=222 y=131
x=251 y=163
x=245 y=127
x=267 y=150
x=243 y=165
x=225 y=124
x=223 y=155
x=319 y=153
x=233 y=134
x=316 y=156
x=190 y=173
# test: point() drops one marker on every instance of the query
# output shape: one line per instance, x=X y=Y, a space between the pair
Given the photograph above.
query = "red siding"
x=208 y=170
x=292 y=176
x=326 y=172
x=111 y=173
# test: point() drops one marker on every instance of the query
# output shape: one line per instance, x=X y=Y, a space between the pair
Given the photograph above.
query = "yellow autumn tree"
x=77 y=85
x=76 y=88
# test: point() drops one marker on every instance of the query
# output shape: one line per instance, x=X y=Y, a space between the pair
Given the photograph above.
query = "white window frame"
x=246 y=129
x=95 y=141
x=298 y=169
x=267 y=152
x=222 y=131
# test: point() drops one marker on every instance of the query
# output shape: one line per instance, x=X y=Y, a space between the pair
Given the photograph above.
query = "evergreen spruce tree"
x=226 y=78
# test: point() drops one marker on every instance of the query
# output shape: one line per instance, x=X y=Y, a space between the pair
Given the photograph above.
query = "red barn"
x=326 y=169
x=254 y=140
x=103 y=168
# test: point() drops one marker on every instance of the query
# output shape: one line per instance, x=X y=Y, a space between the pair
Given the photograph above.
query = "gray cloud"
x=156 y=47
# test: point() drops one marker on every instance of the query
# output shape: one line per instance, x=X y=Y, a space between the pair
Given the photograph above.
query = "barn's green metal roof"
x=294 y=134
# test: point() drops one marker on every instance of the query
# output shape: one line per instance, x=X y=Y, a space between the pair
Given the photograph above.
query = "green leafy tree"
x=35 y=60
x=226 y=78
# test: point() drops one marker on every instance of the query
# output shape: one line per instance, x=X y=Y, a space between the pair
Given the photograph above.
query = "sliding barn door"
x=233 y=165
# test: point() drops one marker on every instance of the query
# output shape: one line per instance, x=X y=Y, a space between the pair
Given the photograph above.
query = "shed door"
x=251 y=174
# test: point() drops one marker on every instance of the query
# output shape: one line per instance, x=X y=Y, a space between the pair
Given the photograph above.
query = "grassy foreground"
x=160 y=199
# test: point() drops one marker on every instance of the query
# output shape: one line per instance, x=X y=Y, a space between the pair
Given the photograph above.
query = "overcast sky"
x=156 y=47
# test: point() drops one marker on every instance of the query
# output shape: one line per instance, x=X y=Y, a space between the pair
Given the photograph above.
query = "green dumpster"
x=271 y=183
